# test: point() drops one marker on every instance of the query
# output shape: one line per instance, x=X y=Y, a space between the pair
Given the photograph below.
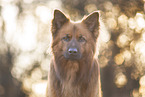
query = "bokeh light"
x=135 y=93
x=28 y=1
x=123 y=40
x=140 y=47
x=119 y=59
x=27 y=38
x=127 y=55
x=140 y=20
x=122 y=20
x=132 y=23
x=142 y=84
x=9 y=14
x=90 y=8
x=120 y=80
x=44 y=14
x=39 y=89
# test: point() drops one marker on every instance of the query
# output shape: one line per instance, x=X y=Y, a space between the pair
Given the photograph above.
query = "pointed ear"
x=92 y=23
x=58 y=21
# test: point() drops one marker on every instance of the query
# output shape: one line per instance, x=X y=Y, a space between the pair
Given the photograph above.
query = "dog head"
x=71 y=40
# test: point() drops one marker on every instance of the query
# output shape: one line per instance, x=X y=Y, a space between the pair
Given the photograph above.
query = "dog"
x=74 y=72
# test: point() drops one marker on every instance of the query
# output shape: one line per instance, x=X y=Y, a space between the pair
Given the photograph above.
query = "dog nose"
x=72 y=51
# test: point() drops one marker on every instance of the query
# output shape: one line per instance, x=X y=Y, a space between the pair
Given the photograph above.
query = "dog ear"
x=92 y=23
x=58 y=21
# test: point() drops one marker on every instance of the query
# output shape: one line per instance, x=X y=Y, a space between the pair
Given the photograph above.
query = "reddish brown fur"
x=74 y=78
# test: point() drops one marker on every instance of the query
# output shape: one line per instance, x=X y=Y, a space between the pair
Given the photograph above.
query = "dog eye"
x=81 y=39
x=66 y=38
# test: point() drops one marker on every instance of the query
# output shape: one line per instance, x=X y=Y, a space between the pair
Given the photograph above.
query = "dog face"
x=74 y=40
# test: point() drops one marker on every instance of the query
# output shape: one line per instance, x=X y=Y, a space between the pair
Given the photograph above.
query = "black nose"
x=72 y=51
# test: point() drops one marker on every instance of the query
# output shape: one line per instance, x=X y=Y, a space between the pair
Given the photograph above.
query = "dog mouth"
x=69 y=56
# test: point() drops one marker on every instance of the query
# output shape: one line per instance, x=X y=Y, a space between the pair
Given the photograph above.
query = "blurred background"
x=25 y=45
